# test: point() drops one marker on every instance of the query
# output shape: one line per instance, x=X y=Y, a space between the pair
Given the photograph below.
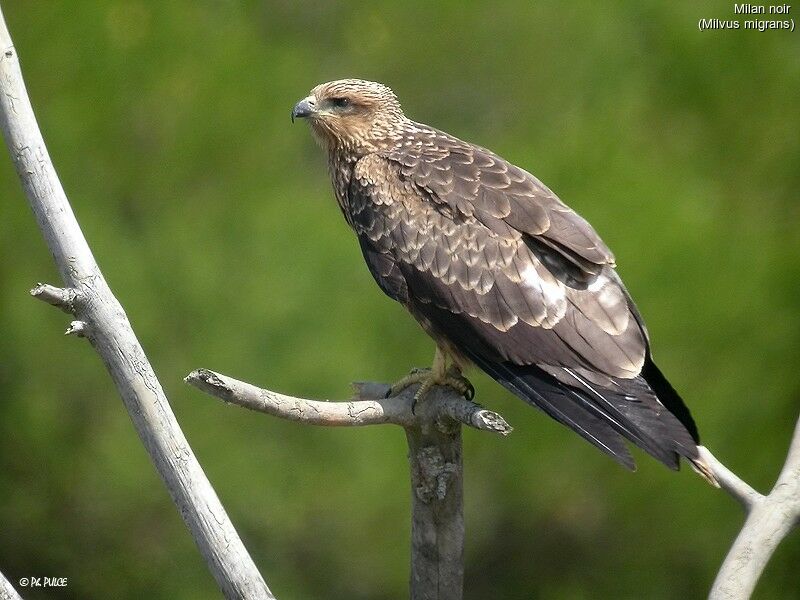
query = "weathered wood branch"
x=433 y=433
x=730 y=481
x=370 y=408
x=7 y=591
x=769 y=520
x=437 y=511
x=101 y=319
x=434 y=438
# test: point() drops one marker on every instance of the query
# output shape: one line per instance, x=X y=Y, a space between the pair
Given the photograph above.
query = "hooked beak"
x=305 y=108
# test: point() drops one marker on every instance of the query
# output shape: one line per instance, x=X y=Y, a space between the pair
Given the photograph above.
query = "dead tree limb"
x=371 y=407
x=7 y=591
x=730 y=481
x=769 y=520
x=99 y=317
x=433 y=432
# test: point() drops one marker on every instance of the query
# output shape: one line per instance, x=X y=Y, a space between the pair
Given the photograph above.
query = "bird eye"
x=340 y=102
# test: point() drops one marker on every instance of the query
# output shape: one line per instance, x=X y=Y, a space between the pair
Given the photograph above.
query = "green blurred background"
x=213 y=220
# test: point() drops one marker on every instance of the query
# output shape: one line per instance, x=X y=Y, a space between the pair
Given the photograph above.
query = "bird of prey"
x=499 y=271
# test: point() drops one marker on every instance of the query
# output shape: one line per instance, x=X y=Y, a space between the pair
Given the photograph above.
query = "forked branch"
x=370 y=407
x=433 y=432
x=769 y=520
x=100 y=318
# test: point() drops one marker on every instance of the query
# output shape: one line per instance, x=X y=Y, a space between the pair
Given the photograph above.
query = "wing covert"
x=490 y=282
x=473 y=181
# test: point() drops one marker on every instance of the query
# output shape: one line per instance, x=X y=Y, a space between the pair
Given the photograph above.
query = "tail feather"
x=669 y=397
x=635 y=413
x=554 y=400
x=630 y=408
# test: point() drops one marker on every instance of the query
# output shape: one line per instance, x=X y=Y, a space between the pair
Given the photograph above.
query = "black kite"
x=499 y=271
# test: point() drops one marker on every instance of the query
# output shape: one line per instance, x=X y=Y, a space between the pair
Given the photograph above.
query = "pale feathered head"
x=351 y=114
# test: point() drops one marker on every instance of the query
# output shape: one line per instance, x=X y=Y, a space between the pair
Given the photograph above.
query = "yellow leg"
x=438 y=374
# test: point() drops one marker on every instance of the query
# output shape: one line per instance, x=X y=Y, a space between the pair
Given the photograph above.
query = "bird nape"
x=500 y=273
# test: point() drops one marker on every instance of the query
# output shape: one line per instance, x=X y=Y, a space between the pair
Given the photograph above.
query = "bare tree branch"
x=370 y=408
x=437 y=512
x=60 y=298
x=7 y=591
x=437 y=476
x=101 y=319
x=433 y=432
x=730 y=481
x=770 y=519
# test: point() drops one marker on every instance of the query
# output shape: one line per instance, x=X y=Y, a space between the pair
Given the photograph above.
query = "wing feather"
x=491 y=261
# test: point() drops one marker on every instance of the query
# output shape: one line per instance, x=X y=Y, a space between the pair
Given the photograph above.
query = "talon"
x=469 y=393
x=427 y=378
x=459 y=383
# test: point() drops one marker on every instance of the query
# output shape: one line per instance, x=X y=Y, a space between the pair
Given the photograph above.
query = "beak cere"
x=304 y=108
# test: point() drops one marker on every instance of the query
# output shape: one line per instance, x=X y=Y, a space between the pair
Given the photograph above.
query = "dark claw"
x=469 y=394
x=414 y=406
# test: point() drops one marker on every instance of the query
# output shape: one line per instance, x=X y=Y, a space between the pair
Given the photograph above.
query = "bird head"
x=352 y=115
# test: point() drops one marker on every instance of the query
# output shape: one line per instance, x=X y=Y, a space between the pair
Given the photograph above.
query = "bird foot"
x=428 y=378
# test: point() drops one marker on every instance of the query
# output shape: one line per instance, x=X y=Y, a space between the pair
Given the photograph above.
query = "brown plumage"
x=498 y=271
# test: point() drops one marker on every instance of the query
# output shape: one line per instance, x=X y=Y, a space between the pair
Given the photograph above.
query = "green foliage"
x=212 y=218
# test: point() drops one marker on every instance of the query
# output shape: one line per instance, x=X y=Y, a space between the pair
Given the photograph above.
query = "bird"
x=499 y=272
